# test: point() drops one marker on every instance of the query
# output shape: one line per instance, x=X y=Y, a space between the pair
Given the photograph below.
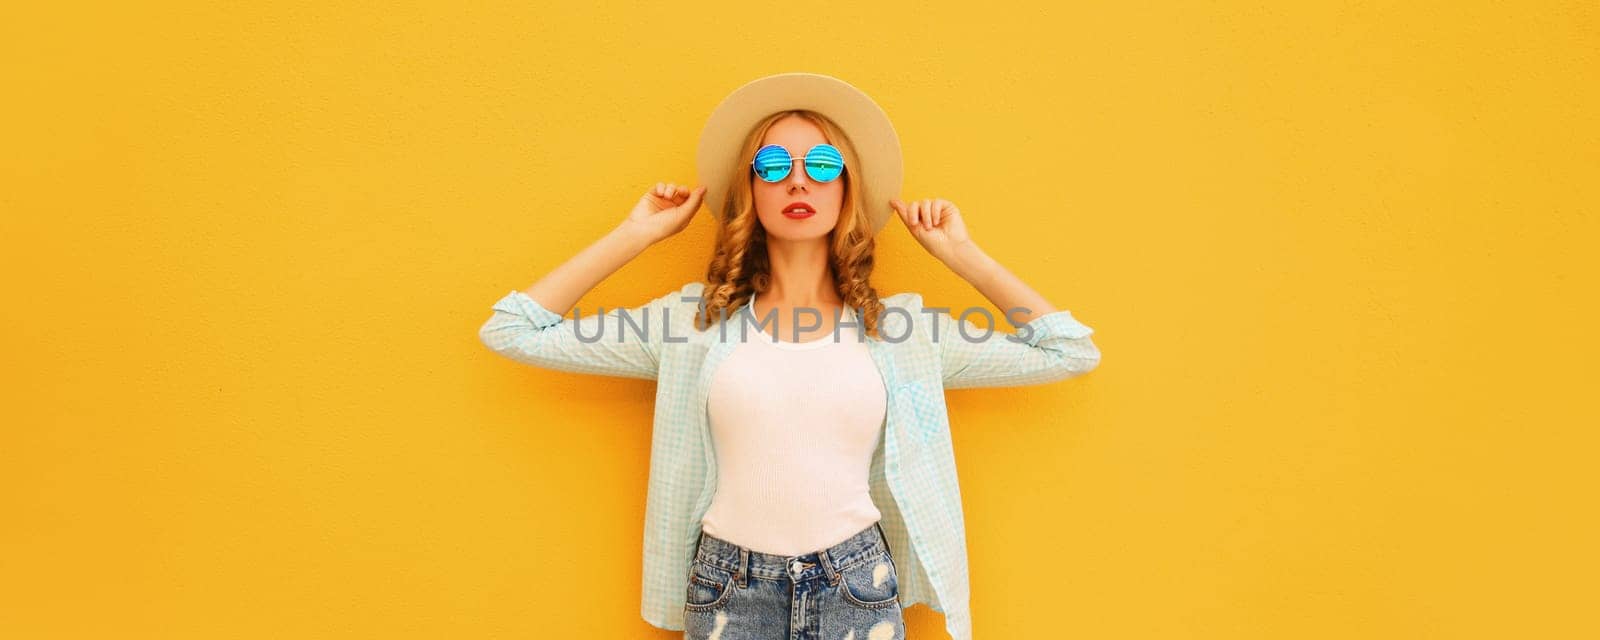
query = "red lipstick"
x=799 y=209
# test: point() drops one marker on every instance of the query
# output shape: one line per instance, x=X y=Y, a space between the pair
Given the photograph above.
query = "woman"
x=802 y=480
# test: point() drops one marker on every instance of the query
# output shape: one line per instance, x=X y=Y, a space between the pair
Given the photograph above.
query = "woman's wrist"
x=968 y=261
x=634 y=239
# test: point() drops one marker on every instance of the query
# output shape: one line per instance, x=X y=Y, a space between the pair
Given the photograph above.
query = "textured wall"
x=1331 y=253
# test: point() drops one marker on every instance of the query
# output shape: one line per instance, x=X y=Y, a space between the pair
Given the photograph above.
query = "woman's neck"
x=801 y=276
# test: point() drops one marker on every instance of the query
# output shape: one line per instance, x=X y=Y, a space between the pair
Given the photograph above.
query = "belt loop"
x=744 y=568
x=881 y=534
x=694 y=554
x=828 y=567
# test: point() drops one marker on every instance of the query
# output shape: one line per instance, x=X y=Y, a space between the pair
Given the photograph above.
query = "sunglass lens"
x=824 y=163
x=772 y=163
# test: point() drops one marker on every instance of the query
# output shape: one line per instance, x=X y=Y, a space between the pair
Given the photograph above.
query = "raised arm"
x=529 y=325
x=1050 y=344
x=1053 y=345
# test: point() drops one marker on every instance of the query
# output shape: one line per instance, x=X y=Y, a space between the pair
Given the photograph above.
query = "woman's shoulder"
x=904 y=309
x=689 y=295
x=901 y=299
x=695 y=287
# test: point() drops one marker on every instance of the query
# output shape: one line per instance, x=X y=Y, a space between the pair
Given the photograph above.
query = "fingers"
x=926 y=214
x=674 y=191
x=910 y=214
x=695 y=198
x=920 y=214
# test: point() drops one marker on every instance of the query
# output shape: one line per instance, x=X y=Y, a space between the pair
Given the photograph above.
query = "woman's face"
x=825 y=199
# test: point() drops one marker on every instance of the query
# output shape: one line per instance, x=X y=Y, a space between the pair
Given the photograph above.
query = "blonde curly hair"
x=740 y=267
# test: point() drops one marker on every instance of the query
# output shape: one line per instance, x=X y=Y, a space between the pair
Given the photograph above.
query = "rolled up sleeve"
x=1055 y=346
x=600 y=343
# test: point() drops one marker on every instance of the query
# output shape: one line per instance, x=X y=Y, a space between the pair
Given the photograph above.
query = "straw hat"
x=874 y=167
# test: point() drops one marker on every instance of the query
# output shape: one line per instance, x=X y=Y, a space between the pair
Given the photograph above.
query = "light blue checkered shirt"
x=913 y=474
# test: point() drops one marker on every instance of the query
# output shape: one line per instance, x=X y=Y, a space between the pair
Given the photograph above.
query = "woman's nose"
x=798 y=178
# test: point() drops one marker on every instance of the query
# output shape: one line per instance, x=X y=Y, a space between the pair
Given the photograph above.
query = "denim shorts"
x=849 y=590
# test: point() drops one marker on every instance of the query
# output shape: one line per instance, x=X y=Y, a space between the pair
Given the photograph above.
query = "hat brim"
x=876 y=166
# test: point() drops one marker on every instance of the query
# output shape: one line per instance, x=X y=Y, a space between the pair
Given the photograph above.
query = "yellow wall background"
x=1338 y=257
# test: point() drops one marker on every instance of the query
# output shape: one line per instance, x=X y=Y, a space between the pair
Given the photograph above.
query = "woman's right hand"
x=664 y=210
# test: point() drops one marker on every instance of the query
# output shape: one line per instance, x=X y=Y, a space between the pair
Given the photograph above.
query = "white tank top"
x=794 y=426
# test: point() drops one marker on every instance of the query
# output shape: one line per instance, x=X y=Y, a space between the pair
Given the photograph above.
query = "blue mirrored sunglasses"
x=823 y=162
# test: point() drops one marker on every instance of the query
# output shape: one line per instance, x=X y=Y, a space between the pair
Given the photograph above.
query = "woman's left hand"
x=935 y=223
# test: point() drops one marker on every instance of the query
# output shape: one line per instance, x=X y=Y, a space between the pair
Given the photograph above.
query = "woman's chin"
x=797 y=230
